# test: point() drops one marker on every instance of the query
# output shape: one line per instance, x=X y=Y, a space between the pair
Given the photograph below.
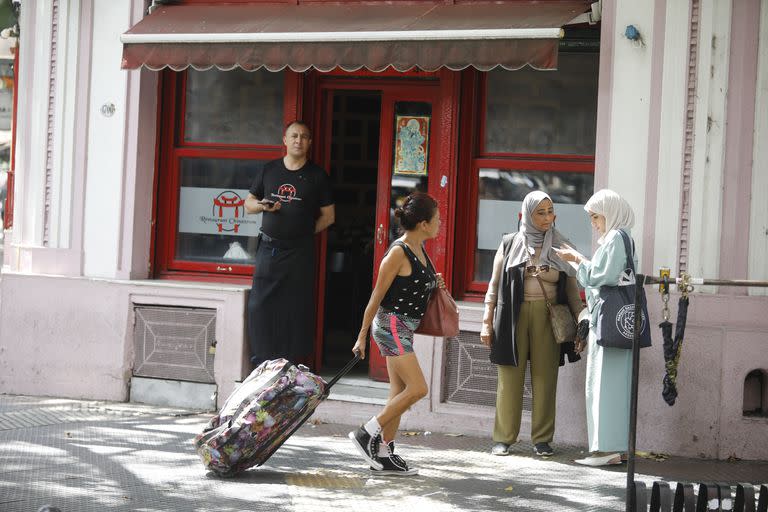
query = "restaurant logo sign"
x=216 y=212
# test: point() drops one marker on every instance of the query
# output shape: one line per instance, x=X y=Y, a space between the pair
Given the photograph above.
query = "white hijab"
x=616 y=210
x=530 y=237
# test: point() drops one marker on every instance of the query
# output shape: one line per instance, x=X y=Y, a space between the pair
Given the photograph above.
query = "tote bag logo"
x=228 y=206
x=625 y=321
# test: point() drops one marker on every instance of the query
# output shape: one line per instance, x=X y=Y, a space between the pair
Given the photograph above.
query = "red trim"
x=231 y=153
x=464 y=255
x=10 y=183
x=322 y=153
x=514 y=163
x=218 y=145
x=199 y=277
x=539 y=156
x=180 y=121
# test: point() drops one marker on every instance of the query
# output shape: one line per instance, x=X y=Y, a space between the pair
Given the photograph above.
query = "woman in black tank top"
x=404 y=284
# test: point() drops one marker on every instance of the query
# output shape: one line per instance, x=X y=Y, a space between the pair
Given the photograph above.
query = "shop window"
x=500 y=196
x=218 y=129
x=234 y=107
x=543 y=112
x=536 y=131
x=756 y=394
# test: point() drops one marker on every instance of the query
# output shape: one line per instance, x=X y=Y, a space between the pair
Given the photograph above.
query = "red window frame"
x=473 y=159
x=172 y=148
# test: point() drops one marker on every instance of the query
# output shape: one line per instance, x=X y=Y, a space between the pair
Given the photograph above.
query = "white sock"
x=383 y=449
x=372 y=427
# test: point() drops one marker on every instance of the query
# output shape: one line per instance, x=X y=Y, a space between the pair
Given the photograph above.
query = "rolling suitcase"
x=270 y=405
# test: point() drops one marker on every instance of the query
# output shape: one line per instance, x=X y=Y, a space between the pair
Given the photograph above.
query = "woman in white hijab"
x=516 y=323
x=608 y=369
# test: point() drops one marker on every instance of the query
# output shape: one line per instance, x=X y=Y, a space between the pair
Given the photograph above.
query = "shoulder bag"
x=441 y=317
x=560 y=317
x=616 y=318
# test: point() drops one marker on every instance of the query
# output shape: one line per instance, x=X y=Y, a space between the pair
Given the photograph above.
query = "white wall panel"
x=631 y=103
x=709 y=142
x=758 y=222
x=672 y=134
x=64 y=123
x=105 y=191
x=31 y=135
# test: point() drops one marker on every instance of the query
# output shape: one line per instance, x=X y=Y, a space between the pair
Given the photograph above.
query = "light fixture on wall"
x=633 y=34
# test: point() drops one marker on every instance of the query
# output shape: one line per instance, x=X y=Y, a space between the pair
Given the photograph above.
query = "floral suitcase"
x=269 y=406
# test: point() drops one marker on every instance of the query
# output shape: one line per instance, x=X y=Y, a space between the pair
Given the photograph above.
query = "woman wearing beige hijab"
x=516 y=323
x=609 y=370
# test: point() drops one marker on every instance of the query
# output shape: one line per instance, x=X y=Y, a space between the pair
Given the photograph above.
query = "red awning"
x=351 y=36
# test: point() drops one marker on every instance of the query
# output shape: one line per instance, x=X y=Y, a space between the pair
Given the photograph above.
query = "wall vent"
x=470 y=378
x=174 y=343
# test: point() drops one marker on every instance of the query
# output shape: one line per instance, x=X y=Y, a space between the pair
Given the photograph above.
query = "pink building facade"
x=680 y=129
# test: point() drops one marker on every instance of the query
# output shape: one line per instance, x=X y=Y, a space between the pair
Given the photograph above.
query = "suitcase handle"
x=351 y=364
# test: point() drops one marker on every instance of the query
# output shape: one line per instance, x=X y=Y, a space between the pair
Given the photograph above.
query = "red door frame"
x=443 y=94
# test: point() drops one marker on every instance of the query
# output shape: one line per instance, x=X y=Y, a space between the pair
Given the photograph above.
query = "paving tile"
x=87 y=456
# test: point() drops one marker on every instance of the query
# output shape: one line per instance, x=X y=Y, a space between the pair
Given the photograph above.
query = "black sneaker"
x=367 y=445
x=543 y=450
x=393 y=464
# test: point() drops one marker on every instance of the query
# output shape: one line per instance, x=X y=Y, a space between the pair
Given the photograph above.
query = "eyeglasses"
x=537 y=269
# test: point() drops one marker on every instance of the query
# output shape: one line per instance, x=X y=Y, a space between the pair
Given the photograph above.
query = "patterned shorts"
x=393 y=333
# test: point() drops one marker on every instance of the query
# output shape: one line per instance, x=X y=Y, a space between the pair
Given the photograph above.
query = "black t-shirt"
x=301 y=192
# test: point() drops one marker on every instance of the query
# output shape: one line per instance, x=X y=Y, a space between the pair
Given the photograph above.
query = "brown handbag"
x=441 y=317
x=560 y=317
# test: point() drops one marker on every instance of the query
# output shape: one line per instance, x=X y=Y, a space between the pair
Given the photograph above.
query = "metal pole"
x=710 y=282
x=641 y=280
x=630 y=503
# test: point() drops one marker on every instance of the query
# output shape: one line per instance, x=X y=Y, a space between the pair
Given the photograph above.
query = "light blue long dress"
x=609 y=370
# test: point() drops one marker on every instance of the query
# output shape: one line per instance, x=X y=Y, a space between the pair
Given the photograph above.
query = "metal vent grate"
x=173 y=343
x=470 y=378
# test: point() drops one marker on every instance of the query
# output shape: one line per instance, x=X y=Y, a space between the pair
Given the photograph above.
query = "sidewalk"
x=95 y=456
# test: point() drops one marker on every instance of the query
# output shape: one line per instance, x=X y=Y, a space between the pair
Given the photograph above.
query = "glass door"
x=407 y=162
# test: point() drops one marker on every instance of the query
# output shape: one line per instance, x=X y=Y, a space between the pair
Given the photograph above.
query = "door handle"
x=380 y=234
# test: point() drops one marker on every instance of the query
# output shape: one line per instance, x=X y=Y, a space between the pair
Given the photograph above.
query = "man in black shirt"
x=294 y=196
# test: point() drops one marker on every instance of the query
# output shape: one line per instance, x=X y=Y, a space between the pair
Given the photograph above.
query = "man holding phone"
x=294 y=196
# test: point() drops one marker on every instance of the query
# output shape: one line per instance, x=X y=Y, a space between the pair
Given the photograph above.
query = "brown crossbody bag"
x=560 y=317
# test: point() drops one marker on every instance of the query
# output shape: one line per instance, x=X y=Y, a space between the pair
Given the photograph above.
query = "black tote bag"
x=616 y=319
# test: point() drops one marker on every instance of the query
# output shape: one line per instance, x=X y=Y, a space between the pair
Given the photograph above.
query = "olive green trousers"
x=535 y=342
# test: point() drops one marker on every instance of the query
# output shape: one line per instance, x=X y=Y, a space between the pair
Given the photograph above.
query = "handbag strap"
x=629 y=249
x=429 y=261
x=546 y=297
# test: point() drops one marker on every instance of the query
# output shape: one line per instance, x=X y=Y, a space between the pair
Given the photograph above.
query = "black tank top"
x=408 y=295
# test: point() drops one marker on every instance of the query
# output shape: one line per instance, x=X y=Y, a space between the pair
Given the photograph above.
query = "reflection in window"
x=408 y=181
x=500 y=194
x=402 y=187
x=234 y=107
x=213 y=225
x=544 y=112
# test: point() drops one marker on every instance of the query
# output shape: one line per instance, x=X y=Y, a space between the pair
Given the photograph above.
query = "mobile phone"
x=268 y=202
